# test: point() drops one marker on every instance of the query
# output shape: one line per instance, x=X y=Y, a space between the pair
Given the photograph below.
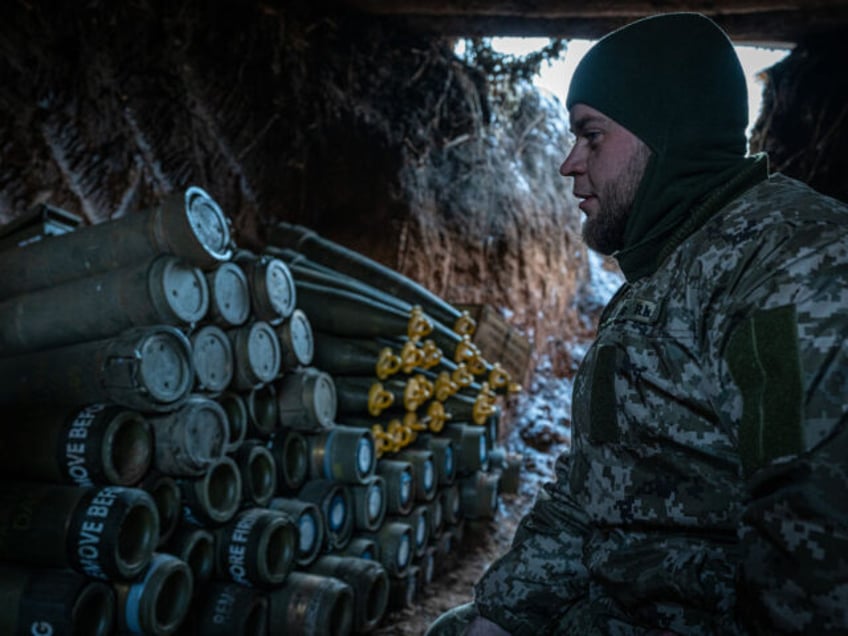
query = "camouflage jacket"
x=705 y=489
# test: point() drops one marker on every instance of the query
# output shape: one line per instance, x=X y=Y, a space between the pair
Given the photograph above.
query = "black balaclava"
x=675 y=82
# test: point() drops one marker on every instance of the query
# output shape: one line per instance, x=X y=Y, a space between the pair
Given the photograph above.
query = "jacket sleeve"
x=788 y=364
x=543 y=571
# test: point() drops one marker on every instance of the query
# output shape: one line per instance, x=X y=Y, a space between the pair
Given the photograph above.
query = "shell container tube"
x=145 y=368
x=96 y=444
x=335 y=501
x=229 y=295
x=396 y=546
x=423 y=470
x=342 y=453
x=310 y=527
x=437 y=518
x=256 y=354
x=162 y=291
x=444 y=456
x=296 y=341
x=257 y=548
x=227 y=609
x=418 y=521
x=330 y=254
x=310 y=272
x=213 y=498
x=191 y=438
x=258 y=473
x=189 y=225
x=291 y=459
x=451 y=501
x=105 y=533
x=359 y=395
x=357 y=316
x=156 y=603
x=262 y=411
x=167 y=499
x=237 y=418
x=307 y=400
x=472 y=446
x=338 y=355
x=273 y=294
x=362 y=548
x=311 y=605
x=212 y=355
x=196 y=548
x=369 y=504
x=368 y=581
x=54 y=601
x=400 y=485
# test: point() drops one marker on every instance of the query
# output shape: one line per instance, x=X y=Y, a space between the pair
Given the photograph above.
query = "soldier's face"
x=607 y=163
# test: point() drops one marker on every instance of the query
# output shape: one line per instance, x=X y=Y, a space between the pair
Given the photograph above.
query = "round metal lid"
x=308 y=532
x=429 y=475
x=324 y=399
x=300 y=337
x=405 y=487
x=230 y=294
x=166 y=369
x=179 y=290
x=280 y=285
x=337 y=512
x=375 y=501
x=263 y=351
x=420 y=530
x=206 y=429
x=212 y=355
x=273 y=289
x=403 y=551
x=448 y=460
x=208 y=223
x=364 y=454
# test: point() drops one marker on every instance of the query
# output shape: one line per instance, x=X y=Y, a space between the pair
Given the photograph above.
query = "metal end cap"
x=212 y=354
x=166 y=371
x=263 y=352
x=178 y=290
x=274 y=291
x=298 y=334
x=208 y=223
x=230 y=294
x=322 y=397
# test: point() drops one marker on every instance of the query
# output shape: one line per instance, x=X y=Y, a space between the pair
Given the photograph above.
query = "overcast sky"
x=556 y=75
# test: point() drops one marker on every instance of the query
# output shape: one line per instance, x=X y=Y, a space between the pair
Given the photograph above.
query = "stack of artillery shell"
x=404 y=367
x=185 y=455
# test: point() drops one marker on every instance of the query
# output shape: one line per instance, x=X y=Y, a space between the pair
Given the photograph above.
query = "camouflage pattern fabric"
x=705 y=489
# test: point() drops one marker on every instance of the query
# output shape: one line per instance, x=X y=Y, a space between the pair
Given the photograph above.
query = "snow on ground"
x=542 y=426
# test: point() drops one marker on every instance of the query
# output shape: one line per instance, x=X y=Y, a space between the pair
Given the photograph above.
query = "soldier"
x=705 y=489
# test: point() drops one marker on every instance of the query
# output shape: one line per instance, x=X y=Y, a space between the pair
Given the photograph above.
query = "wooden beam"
x=772 y=27
x=582 y=8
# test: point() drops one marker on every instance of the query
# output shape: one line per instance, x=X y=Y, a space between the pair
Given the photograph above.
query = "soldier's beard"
x=604 y=230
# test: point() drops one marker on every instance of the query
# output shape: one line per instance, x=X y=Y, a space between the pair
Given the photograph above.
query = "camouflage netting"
x=804 y=123
x=383 y=141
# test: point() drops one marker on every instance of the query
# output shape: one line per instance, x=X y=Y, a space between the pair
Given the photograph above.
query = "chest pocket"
x=601 y=403
x=763 y=358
